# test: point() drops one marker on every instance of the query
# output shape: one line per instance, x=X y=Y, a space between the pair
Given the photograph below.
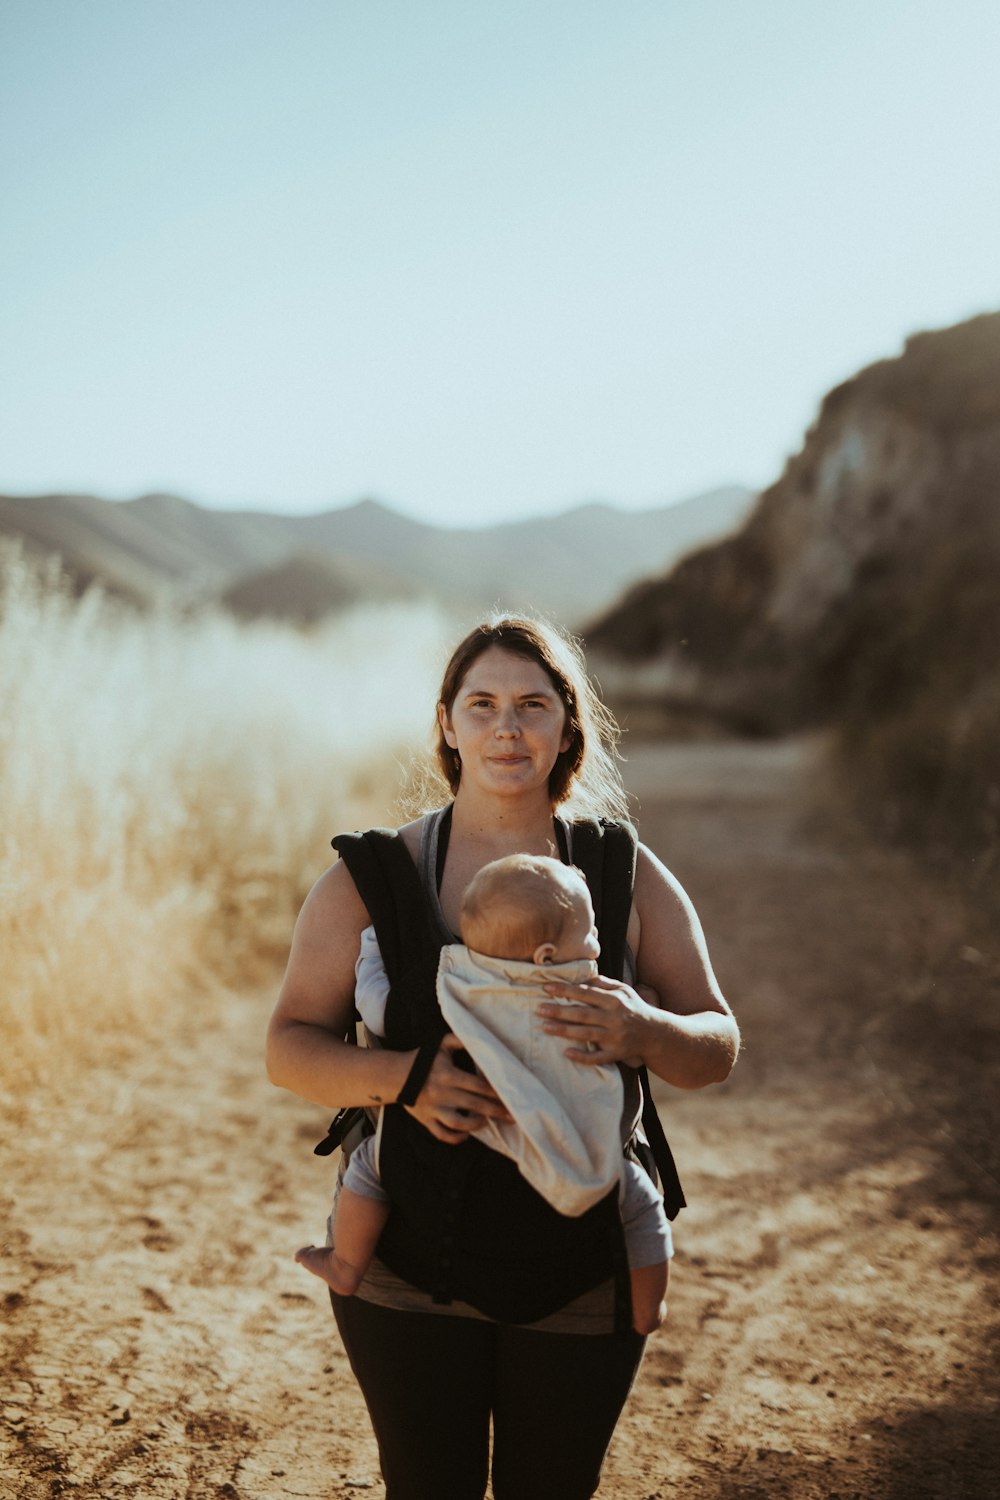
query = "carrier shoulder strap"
x=389 y=884
x=606 y=852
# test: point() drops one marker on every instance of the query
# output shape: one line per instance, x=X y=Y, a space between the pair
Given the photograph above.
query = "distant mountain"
x=863 y=591
x=569 y=565
x=95 y=543
x=304 y=589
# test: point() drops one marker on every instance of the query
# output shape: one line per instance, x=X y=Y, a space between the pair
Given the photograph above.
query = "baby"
x=525 y=921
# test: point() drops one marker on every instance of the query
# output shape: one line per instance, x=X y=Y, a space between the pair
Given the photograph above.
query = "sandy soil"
x=835 y=1292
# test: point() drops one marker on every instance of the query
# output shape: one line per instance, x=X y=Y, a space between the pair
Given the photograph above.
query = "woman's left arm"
x=690 y=1037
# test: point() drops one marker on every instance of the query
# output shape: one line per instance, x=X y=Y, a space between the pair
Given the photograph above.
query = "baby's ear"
x=543 y=954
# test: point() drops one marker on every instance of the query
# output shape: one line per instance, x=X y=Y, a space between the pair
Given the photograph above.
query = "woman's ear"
x=543 y=954
x=450 y=737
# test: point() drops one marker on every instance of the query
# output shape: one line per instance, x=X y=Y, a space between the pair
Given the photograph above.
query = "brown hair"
x=586 y=768
x=517 y=903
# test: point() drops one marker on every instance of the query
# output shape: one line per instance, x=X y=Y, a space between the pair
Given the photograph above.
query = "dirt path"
x=835 y=1289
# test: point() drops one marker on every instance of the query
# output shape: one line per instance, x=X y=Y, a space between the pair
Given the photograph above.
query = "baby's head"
x=529 y=908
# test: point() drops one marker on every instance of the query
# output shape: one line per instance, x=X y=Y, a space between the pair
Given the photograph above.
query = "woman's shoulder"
x=410 y=833
x=335 y=899
x=661 y=903
x=652 y=874
x=333 y=906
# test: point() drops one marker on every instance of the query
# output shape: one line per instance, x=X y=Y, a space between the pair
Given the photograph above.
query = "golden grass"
x=169 y=787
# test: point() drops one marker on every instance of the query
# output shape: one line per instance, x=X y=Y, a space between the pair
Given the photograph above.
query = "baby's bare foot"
x=327 y=1265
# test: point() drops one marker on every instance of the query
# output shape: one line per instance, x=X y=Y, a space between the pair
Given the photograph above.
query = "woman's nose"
x=507 y=724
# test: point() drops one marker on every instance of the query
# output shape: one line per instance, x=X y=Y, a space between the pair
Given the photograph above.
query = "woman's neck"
x=504 y=825
x=484 y=829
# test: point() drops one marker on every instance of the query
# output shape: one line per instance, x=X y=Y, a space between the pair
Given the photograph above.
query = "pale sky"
x=477 y=259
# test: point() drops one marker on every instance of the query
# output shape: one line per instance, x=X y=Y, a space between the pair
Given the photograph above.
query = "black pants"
x=432 y=1383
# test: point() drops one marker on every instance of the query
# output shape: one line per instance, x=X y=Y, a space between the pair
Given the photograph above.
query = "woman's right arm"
x=306 y=1051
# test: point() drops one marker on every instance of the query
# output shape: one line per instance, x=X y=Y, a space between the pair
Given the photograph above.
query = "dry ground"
x=834 y=1298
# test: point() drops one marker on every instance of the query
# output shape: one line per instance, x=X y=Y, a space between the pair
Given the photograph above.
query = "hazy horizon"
x=508 y=261
x=471 y=522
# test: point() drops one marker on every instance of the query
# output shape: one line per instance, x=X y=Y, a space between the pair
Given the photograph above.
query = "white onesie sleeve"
x=371 y=984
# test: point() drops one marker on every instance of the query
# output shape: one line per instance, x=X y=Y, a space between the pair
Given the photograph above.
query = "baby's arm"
x=371 y=984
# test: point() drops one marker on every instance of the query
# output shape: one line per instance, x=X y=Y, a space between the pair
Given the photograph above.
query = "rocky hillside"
x=863 y=591
x=161 y=546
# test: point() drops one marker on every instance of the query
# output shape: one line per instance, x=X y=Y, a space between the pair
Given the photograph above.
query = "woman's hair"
x=514 y=905
x=585 y=776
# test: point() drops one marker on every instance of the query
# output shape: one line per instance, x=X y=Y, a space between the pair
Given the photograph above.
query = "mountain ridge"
x=160 y=546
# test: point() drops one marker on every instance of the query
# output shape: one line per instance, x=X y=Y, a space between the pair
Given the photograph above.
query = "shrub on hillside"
x=920 y=735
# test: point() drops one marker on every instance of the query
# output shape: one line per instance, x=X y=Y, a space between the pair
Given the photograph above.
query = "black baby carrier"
x=465 y=1225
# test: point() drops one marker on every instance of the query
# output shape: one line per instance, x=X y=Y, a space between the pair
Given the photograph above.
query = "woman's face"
x=507 y=723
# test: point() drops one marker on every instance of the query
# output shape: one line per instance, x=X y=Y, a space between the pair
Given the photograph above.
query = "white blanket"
x=566 y=1135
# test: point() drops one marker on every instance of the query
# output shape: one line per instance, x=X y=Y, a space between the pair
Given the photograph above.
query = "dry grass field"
x=168 y=787
x=834 y=1305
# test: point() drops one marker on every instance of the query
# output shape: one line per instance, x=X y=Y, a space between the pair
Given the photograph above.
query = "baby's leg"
x=649 y=1296
x=357 y=1225
x=648 y=1245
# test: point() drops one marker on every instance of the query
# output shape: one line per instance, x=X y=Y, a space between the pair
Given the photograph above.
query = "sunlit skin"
x=508 y=725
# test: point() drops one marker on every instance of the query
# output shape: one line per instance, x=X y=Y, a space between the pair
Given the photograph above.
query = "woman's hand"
x=452 y=1103
x=609 y=1021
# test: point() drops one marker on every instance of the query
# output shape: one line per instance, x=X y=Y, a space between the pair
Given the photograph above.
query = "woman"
x=520 y=732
